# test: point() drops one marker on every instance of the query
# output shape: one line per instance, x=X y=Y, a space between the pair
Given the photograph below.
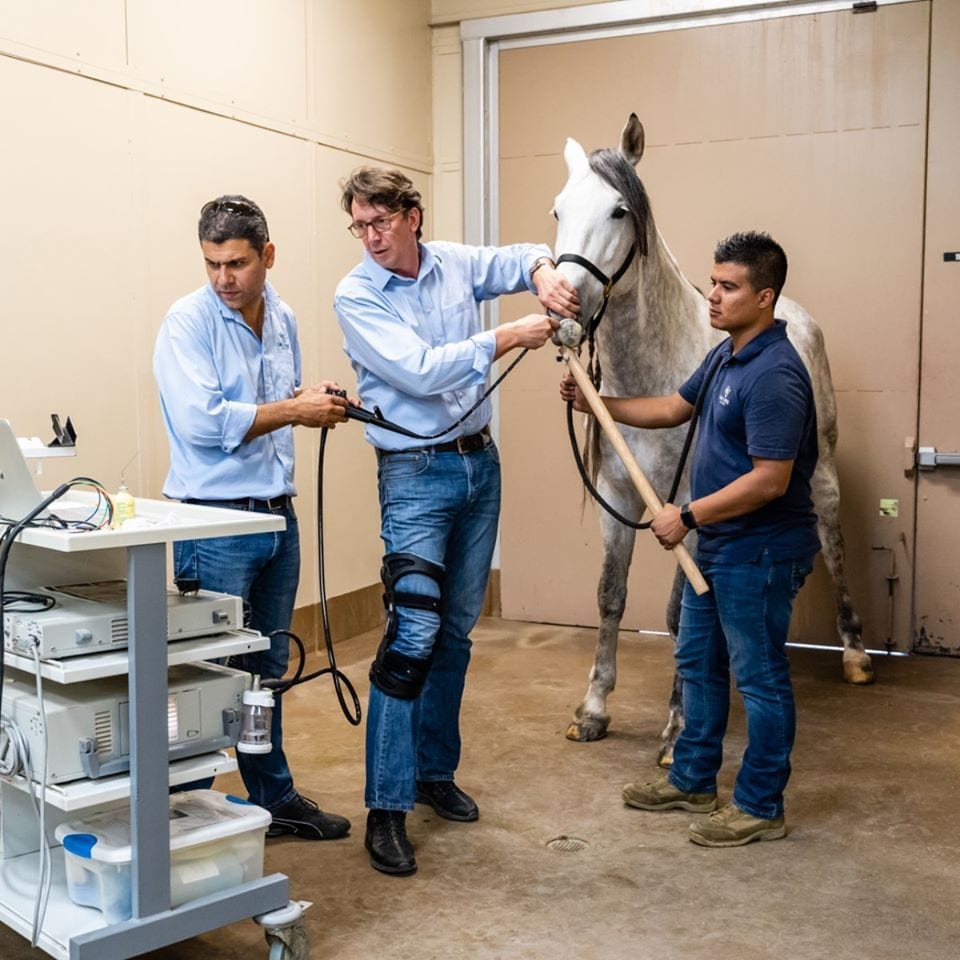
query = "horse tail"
x=591 y=450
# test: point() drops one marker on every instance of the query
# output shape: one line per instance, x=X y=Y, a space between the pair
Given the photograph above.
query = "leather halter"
x=608 y=283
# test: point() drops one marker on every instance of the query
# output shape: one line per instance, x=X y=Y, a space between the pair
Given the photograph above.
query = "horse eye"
x=619 y=213
x=554 y=214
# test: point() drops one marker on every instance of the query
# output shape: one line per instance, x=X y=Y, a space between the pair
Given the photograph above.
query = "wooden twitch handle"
x=643 y=485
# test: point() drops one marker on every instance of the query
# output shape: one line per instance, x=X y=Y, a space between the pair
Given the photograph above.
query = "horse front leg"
x=591 y=719
x=857 y=667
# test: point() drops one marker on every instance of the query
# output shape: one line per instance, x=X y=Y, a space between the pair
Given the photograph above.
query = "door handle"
x=928 y=458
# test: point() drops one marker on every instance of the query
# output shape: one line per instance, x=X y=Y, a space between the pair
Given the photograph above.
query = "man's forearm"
x=765 y=482
x=271 y=416
x=649 y=412
x=311 y=407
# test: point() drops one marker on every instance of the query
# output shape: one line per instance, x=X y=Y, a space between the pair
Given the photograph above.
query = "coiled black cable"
x=340 y=680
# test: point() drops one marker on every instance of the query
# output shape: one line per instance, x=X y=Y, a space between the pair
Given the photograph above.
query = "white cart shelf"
x=79 y=933
x=113 y=664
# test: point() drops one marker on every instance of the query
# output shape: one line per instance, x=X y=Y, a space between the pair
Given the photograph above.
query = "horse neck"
x=656 y=330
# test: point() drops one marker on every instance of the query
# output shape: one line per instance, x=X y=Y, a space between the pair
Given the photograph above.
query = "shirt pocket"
x=280 y=378
x=458 y=317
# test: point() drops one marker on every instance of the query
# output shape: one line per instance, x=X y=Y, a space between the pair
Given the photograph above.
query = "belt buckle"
x=462 y=447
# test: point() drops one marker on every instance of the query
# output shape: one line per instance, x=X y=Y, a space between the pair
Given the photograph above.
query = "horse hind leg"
x=591 y=719
x=675 y=704
x=857 y=666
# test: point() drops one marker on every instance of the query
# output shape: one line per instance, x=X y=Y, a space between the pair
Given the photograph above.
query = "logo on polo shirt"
x=724 y=397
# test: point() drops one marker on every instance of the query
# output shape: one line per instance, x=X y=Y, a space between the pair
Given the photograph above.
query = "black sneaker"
x=387 y=843
x=302 y=818
x=447 y=799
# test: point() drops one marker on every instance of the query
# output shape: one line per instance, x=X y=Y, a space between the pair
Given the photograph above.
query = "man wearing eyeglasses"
x=411 y=322
x=227 y=362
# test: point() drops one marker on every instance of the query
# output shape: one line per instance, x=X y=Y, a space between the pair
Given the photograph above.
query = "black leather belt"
x=462 y=445
x=248 y=503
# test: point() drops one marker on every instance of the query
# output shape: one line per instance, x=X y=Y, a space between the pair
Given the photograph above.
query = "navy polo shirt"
x=759 y=403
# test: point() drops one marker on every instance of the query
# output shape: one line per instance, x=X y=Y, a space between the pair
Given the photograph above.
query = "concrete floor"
x=869 y=869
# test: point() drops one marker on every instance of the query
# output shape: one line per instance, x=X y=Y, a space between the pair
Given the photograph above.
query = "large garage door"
x=810 y=127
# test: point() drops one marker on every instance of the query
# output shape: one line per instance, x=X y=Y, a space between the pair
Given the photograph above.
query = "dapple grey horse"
x=655 y=330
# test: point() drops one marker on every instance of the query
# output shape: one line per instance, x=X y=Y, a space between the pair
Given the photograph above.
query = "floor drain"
x=567 y=844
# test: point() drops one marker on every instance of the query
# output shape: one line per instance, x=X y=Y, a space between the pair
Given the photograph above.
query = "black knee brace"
x=396 y=674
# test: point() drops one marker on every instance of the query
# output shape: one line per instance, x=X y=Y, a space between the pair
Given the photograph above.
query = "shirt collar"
x=380 y=276
x=776 y=332
x=269 y=296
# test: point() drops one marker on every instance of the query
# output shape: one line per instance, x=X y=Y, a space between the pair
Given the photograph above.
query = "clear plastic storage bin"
x=216 y=842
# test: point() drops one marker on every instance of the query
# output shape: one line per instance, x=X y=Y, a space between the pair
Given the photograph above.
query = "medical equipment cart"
x=139 y=553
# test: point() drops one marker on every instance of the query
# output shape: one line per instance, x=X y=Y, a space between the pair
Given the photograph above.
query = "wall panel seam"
x=95 y=74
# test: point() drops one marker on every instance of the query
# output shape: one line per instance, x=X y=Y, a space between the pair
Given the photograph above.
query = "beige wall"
x=119 y=120
x=453 y=11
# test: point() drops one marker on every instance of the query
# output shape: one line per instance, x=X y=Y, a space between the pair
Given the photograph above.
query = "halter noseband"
x=608 y=283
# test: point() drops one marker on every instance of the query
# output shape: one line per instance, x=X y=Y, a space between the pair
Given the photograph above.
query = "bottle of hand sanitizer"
x=124 y=506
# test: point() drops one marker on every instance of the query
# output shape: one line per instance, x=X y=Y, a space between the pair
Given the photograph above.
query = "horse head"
x=603 y=224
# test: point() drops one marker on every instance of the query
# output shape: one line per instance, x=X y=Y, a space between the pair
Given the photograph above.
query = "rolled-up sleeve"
x=499 y=270
x=191 y=391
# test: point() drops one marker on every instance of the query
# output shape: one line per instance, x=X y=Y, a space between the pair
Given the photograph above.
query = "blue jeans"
x=443 y=507
x=264 y=569
x=740 y=626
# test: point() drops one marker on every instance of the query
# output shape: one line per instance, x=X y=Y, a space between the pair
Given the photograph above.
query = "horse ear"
x=575 y=157
x=631 y=140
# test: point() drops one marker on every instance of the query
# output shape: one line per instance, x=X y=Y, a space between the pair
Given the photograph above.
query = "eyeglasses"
x=231 y=206
x=381 y=225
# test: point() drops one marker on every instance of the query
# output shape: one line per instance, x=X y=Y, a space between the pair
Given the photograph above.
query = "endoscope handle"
x=358 y=413
x=376 y=418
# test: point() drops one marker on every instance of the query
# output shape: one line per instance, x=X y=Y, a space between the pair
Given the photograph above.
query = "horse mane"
x=614 y=169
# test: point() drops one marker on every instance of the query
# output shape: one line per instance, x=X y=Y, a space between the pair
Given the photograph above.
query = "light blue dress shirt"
x=417 y=345
x=213 y=371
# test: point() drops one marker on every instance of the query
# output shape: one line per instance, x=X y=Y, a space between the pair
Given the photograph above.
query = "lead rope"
x=681 y=464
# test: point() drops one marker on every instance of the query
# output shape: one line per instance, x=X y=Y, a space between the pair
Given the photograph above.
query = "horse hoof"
x=665 y=757
x=858 y=670
x=583 y=731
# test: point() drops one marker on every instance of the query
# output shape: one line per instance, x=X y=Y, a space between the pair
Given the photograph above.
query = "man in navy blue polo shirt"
x=750 y=483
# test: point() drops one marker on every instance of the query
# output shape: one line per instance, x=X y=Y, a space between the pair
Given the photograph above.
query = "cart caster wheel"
x=285 y=934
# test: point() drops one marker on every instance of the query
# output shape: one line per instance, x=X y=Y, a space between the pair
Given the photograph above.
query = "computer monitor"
x=18 y=493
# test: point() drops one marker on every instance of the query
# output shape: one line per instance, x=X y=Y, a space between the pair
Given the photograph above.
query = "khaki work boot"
x=732 y=827
x=661 y=794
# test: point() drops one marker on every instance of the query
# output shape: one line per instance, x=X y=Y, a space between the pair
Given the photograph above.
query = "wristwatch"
x=538 y=263
x=687 y=518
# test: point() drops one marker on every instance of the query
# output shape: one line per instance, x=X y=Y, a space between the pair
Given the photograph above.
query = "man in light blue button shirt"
x=411 y=322
x=227 y=362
